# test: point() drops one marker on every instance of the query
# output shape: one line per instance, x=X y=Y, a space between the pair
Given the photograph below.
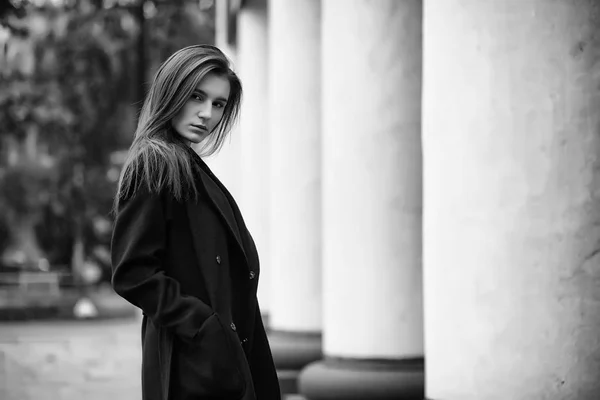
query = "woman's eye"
x=198 y=97
x=219 y=105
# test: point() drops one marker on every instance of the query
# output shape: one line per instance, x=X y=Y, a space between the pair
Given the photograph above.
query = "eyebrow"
x=202 y=92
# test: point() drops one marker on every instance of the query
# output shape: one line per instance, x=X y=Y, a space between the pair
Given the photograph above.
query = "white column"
x=295 y=211
x=372 y=292
x=511 y=227
x=254 y=127
x=227 y=164
x=372 y=179
x=295 y=182
x=222 y=29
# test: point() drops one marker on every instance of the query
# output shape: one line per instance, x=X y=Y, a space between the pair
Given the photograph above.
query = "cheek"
x=183 y=116
x=177 y=118
x=217 y=116
x=178 y=121
x=175 y=123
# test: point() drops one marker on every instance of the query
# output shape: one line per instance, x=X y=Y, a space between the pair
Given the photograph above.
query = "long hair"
x=158 y=158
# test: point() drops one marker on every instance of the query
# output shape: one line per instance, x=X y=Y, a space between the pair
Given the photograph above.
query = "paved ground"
x=94 y=360
x=70 y=360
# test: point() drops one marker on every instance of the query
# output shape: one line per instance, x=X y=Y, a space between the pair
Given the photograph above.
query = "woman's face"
x=203 y=110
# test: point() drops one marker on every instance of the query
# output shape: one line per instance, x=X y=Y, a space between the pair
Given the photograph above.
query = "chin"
x=196 y=138
x=199 y=140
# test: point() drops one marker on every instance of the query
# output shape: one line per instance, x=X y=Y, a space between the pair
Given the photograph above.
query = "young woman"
x=180 y=249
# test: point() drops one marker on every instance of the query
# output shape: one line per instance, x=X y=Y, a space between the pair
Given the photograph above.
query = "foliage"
x=69 y=94
x=173 y=25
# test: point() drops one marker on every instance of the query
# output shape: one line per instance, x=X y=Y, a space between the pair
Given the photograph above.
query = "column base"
x=352 y=379
x=292 y=351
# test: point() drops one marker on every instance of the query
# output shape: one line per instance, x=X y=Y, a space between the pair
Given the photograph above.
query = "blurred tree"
x=175 y=24
x=71 y=82
x=59 y=110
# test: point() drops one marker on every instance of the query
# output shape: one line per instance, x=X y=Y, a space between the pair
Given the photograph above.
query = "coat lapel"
x=228 y=210
x=244 y=239
x=248 y=242
x=222 y=205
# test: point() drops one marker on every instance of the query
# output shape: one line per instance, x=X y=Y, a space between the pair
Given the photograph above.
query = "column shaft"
x=295 y=181
x=227 y=164
x=254 y=132
x=511 y=226
x=295 y=105
x=372 y=291
x=372 y=179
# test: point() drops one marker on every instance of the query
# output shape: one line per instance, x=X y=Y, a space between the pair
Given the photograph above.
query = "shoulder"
x=158 y=168
x=142 y=173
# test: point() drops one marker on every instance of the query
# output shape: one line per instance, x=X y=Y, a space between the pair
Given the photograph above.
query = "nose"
x=205 y=110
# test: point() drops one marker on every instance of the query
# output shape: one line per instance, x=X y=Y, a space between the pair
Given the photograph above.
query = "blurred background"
x=72 y=77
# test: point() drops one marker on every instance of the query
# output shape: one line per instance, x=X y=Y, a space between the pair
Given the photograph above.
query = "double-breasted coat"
x=193 y=269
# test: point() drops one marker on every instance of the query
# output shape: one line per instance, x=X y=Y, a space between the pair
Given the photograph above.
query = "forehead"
x=214 y=85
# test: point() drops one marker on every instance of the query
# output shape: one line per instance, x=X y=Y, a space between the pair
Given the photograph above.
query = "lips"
x=200 y=127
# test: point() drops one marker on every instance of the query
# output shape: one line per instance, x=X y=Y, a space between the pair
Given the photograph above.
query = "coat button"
x=233 y=328
x=252 y=274
x=218 y=259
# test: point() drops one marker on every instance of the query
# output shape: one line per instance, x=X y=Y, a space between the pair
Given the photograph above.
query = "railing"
x=25 y=289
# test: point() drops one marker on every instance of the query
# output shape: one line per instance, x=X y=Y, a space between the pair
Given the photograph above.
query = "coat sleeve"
x=264 y=374
x=137 y=249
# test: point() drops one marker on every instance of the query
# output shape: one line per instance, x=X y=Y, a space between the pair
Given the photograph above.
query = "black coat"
x=192 y=268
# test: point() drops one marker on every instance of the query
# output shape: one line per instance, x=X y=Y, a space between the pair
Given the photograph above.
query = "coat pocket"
x=208 y=365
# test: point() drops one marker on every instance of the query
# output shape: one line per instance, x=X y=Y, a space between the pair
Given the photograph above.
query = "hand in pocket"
x=207 y=365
